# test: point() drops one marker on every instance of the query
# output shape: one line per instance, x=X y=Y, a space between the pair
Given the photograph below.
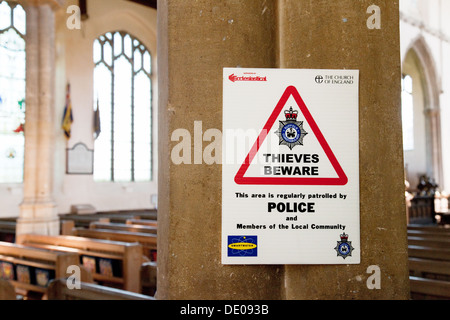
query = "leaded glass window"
x=123 y=95
x=407 y=113
x=12 y=91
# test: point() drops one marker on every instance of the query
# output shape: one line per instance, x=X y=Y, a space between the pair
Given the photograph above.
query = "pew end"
x=7 y=291
x=148 y=278
x=67 y=227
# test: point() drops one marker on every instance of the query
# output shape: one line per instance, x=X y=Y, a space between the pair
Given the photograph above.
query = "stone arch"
x=432 y=89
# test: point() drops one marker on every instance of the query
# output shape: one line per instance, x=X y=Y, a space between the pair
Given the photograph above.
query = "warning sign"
x=290 y=178
x=291 y=133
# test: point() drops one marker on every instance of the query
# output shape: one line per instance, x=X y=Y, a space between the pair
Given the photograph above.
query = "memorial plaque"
x=80 y=160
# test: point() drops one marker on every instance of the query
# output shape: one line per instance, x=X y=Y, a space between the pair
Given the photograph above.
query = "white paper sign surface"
x=290 y=166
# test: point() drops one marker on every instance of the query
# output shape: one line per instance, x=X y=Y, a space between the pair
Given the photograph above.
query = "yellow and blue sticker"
x=242 y=246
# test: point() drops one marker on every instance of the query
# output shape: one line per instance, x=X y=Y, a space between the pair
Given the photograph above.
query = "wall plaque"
x=80 y=160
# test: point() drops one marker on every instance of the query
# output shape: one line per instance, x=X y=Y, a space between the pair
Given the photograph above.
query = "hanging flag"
x=20 y=128
x=21 y=104
x=68 y=116
x=97 y=127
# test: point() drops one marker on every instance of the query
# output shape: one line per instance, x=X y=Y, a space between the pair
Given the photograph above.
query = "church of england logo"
x=291 y=131
x=344 y=247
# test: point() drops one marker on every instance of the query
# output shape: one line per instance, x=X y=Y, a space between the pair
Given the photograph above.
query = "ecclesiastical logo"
x=344 y=247
x=291 y=131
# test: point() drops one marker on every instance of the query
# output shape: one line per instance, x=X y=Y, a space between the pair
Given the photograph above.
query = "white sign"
x=80 y=160
x=290 y=169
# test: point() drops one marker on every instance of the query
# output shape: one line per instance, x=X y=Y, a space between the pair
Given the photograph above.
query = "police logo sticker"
x=291 y=131
x=344 y=247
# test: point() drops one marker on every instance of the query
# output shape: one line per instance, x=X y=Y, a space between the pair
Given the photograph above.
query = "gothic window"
x=123 y=96
x=12 y=91
x=407 y=113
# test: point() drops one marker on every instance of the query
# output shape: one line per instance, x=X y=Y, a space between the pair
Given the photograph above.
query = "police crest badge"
x=291 y=131
x=344 y=247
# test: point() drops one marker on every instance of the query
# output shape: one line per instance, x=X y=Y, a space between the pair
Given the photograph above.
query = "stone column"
x=335 y=35
x=434 y=146
x=196 y=40
x=38 y=213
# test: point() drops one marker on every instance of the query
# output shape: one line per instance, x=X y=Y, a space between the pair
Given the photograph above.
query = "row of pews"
x=114 y=254
x=429 y=262
x=117 y=254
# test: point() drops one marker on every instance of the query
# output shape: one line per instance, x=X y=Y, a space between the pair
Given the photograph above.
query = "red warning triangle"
x=317 y=181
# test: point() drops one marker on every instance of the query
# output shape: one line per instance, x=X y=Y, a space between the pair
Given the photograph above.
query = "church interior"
x=80 y=118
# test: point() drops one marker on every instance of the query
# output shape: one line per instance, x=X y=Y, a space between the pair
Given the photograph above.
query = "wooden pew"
x=431 y=253
x=112 y=231
x=82 y=221
x=429 y=261
x=429 y=241
x=58 y=290
x=29 y=269
x=146 y=240
x=121 y=261
x=142 y=222
x=430 y=269
x=148 y=269
x=123 y=227
x=428 y=235
x=429 y=289
x=117 y=217
x=436 y=229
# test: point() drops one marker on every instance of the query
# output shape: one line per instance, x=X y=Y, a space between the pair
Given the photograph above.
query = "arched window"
x=123 y=95
x=407 y=113
x=12 y=91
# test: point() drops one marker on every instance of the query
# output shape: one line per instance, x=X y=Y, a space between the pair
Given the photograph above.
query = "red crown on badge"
x=344 y=237
x=291 y=114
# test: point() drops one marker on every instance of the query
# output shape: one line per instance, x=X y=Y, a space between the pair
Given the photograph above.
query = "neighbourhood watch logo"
x=246 y=77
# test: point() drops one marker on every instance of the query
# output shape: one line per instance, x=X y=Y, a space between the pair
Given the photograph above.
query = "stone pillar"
x=199 y=38
x=38 y=213
x=434 y=145
x=196 y=40
x=335 y=35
